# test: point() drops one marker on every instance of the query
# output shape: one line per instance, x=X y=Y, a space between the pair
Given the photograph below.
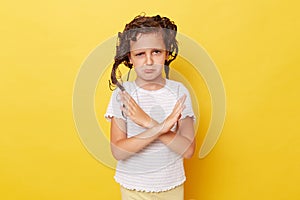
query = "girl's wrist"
x=151 y=123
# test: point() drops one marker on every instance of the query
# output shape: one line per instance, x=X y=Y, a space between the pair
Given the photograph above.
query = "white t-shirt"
x=155 y=168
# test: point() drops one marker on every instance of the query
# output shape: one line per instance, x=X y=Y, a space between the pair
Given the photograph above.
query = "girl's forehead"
x=148 y=41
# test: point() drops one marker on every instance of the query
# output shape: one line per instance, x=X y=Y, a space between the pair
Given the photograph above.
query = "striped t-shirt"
x=155 y=168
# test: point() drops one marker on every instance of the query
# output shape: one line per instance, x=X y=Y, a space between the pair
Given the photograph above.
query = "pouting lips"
x=149 y=70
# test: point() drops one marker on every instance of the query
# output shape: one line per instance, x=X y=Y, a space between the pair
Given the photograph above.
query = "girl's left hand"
x=175 y=115
x=134 y=111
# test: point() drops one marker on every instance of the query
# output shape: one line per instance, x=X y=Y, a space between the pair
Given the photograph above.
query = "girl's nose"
x=149 y=60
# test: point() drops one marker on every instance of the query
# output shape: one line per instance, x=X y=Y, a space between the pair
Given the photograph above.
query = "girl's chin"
x=150 y=78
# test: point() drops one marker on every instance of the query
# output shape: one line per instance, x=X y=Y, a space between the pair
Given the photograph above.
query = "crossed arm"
x=181 y=142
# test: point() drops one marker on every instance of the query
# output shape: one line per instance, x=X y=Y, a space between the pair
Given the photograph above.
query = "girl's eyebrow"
x=157 y=49
x=143 y=50
x=137 y=52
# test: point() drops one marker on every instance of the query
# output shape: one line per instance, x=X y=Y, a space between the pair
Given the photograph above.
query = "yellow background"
x=255 y=45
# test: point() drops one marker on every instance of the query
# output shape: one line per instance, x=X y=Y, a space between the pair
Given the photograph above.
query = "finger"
x=132 y=104
x=129 y=98
x=126 y=106
x=182 y=108
x=123 y=99
x=181 y=102
x=125 y=94
x=129 y=102
x=178 y=107
x=178 y=111
x=182 y=99
x=131 y=107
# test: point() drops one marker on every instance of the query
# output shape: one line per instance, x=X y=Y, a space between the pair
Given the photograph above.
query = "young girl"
x=152 y=120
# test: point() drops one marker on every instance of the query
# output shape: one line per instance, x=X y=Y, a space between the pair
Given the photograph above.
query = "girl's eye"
x=139 y=54
x=156 y=51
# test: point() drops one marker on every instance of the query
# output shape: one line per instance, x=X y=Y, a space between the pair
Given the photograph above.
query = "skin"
x=148 y=56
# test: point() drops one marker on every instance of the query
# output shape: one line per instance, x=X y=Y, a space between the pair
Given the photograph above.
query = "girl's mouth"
x=149 y=70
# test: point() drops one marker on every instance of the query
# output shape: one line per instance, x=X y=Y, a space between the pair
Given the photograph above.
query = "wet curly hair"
x=143 y=24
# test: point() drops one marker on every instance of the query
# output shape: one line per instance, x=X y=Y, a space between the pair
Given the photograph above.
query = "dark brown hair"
x=144 y=25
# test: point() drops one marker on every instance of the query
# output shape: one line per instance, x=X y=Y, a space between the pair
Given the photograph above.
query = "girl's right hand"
x=169 y=122
x=134 y=111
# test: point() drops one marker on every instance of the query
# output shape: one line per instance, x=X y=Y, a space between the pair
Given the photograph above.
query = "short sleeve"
x=188 y=111
x=113 y=109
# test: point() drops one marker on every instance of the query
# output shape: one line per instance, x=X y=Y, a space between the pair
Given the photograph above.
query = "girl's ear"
x=129 y=57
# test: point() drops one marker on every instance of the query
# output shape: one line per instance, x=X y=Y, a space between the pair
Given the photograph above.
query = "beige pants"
x=175 y=194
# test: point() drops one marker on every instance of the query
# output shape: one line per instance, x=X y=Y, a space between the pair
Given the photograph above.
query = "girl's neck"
x=151 y=85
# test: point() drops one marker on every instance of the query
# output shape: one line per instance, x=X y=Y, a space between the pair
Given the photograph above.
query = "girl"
x=152 y=120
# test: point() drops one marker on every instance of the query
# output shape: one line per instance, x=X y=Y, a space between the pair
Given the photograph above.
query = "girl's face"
x=148 y=54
